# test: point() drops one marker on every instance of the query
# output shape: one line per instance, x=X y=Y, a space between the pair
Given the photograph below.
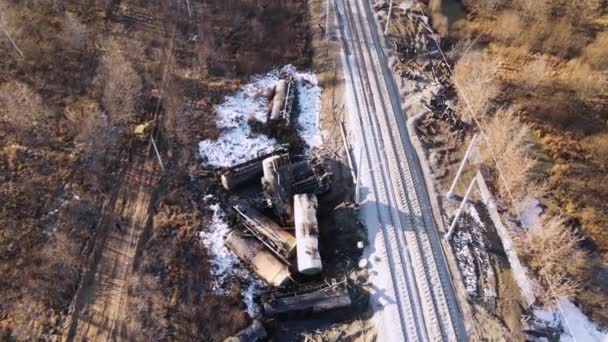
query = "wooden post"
x=189 y=9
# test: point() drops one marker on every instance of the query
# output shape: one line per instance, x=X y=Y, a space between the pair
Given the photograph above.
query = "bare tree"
x=121 y=85
x=508 y=148
x=477 y=84
x=552 y=250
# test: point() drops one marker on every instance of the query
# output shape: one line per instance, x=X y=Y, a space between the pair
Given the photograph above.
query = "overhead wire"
x=494 y=158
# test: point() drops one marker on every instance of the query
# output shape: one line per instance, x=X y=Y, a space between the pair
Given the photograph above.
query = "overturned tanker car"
x=283 y=179
x=246 y=172
x=265 y=264
x=309 y=299
x=281 y=105
x=278 y=240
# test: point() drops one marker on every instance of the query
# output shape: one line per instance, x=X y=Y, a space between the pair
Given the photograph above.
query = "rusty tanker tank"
x=264 y=263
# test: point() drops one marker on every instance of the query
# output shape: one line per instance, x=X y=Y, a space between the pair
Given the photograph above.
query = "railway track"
x=425 y=304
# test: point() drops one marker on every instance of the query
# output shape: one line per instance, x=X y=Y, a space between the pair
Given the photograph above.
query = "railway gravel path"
x=414 y=297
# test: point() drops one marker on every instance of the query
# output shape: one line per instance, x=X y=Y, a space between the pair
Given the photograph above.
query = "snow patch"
x=473 y=258
x=221 y=259
x=573 y=323
x=530 y=213
x=237 y=142
x=226 y=266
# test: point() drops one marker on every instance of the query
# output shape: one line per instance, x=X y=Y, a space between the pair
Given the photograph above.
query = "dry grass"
x=534 y=73
x=597 y=146
x=552 y=251
x=596 y=53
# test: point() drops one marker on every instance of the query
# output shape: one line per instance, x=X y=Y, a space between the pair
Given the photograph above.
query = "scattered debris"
x=222 y=261
x=273 y=189
x=254 y=332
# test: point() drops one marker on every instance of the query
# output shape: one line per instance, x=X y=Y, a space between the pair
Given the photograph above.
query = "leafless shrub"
x=484 y=7
x=562 y=40
x=508 y=146
x=552 y=251
x=530 y=9
x=21 y=107
x=75 y=34
x=459 y=48
x=120 y=83
x=477 y=85
x=589 y=84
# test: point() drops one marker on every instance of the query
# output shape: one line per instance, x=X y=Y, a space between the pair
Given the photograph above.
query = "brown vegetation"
x=73 y=81
x=507 y=144
x=475 y=79
x=551 y=63
x=545 y=248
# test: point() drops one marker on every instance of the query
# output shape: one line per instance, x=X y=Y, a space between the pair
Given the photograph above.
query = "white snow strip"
x=237 y=143
x=252 y=290
x=222 y=261
x=574 y=324
x=225 y=265
x=309 y=108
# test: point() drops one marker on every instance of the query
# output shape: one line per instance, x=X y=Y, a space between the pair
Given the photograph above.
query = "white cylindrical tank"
x=307 y=234
x=265 y=265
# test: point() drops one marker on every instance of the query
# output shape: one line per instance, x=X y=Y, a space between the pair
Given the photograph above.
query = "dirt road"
x=100 y=310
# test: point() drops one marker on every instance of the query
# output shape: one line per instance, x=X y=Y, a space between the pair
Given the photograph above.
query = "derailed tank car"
x=307 y=234
x=276 y=183
x=279 y=240
x=282 y=102
x=264 y=263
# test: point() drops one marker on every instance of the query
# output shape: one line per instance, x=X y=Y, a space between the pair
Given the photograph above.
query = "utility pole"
x=388 y=19
x=448 y=236
x=160 y=161
x=461 y=167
